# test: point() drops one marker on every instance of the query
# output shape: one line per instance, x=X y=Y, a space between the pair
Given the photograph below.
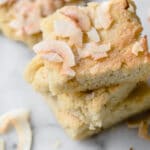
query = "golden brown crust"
x=121 y=65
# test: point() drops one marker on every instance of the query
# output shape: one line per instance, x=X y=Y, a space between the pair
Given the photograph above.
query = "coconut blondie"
x=20 y=19
x=84 y=114
x=86 y=48
x=84 y=111
x=81 y=119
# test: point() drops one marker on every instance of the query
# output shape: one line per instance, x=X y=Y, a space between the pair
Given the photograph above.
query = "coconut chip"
x=72 y=31
x=46 y=49
x=103 y=18
x=19 y=119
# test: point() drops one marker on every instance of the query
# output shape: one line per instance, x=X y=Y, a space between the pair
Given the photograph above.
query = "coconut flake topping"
x=63 y=52
x=94 y=50
x=139 y=46
x=78 y=16
x=93 y=35
x=103 y=18
x=67 y=28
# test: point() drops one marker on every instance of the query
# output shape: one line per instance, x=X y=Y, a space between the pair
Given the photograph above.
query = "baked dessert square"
x=82 y=114
x=86 y=48
x=20 y=19
x=82 y=119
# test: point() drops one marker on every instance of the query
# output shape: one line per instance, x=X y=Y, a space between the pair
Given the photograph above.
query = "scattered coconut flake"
x=78 y=16
x=138 y=47
x=19 y=119
x=103 y=18
x=67 y=28
x=2 y=144
x=93 y=35
x=27 y=17
x=54 y=57
x=94 y=50
x=62 y=49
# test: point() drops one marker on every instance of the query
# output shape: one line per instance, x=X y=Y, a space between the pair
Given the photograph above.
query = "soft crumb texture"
x=85 y=110
x=85 y=48
x=20 y=19
x=75 y=115
x=142 y=122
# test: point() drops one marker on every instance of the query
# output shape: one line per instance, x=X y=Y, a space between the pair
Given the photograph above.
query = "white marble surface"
x=16 y=93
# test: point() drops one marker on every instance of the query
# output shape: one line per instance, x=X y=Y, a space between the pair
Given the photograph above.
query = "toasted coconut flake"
x=49 y=6
x=103 y=18
x=139 y=46
x=27 y=17
x=2 y=144
x=94 y=50
x=19 y=119
x=54 y=57
x=78 y=16
x=62 y=49
x=93 y=35
x=67 y=28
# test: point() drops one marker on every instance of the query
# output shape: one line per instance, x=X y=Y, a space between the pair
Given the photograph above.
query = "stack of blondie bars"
x=92 y=66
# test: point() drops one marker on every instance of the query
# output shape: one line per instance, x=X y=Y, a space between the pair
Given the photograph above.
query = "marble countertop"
x=47 y=134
